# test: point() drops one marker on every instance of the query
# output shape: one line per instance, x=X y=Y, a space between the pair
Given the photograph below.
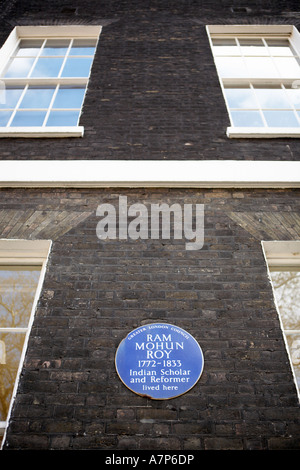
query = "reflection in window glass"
x=281 y=119
x=49 y=67
x=241 y=98
x=246 y=118
x=5 y=117
x=286 y=285
x=29 y=47
x=254 y=47
x=37 y=97
x=225 y=47
x=19 y=68
x=45 y=93
x=28 y=118
x=55 y=47
x=18 y=286
x=69 y=98
x=11 y=97
x=77 y=67
x=63 y=118
x=273 y=98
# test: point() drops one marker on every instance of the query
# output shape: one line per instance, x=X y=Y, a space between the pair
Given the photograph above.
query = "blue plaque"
x=159 y=361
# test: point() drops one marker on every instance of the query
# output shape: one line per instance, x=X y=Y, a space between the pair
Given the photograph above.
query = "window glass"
x=247 y=118
x=272 y=98
x=29 y=47
x=18 y=286
x=281 y=119
x=69 y=98
x=63 y=118
x=259 y=76
x=37 y=97
x=253 y=47
x=83 y=47
x=28 y=118
x=11 y=97
x=286 y=285
x=44 y=92
x=4 y=117
x=77 y=67
x=225 y=47
x=55 y=47
x=19 y=67
x=279 y=47
x=241 y=98
x=47 y=68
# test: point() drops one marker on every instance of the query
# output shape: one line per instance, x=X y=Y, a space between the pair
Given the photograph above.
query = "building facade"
x=153 y=130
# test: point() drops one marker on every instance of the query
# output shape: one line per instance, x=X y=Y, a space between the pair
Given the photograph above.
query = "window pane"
x=69 y=98
x=246 y=119
x=272 y=98
x=47 y=67
x=225 y=47
x=281 y=119
x=4 y=117
x=286 y=285
x=77 y=67
x=11 y=345
x=254 y=47
x=19 y=68
x=231 y=67
x=29 y=47
x=28 y=118
x=293 y=341
x=241 y=98
x=83 y=47
x=260 y=67
x=63 y=118
x=288 y=67
x=37 y=97
x=17 y=290
x=11 y=97
x=56 y=47
x=294 y=96
x=279 y=47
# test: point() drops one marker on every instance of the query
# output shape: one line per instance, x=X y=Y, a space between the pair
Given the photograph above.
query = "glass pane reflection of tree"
x=17 y=290
x=287 y=292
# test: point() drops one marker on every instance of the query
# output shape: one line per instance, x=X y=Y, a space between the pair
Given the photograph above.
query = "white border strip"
x=124 y=173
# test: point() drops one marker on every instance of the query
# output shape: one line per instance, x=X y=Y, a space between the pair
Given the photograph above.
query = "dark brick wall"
x=154 y=91
x=95 y=292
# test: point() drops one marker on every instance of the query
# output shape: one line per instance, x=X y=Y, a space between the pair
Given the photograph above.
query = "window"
x=283 y=260
x=22 y=267
x=44 y=80
x=259 y=72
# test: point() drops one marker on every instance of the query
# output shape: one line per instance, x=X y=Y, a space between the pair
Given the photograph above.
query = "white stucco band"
x=124 y=173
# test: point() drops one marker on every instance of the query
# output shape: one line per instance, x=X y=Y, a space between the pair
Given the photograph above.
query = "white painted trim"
x=282 y=253
x=263 y=132
x=42 y=132
x=250 y=29
x=147 y=173
x=20 y=249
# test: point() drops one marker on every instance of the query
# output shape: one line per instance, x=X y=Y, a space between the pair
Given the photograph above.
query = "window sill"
x=42 y=132
x=263 y=133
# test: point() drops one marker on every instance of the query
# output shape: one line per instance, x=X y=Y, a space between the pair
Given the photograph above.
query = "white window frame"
x=43 y=32
x=282 y=254
x=271 y=31
x=24 y=252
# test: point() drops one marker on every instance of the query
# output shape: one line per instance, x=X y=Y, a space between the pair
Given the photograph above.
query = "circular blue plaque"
x=159 y=361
